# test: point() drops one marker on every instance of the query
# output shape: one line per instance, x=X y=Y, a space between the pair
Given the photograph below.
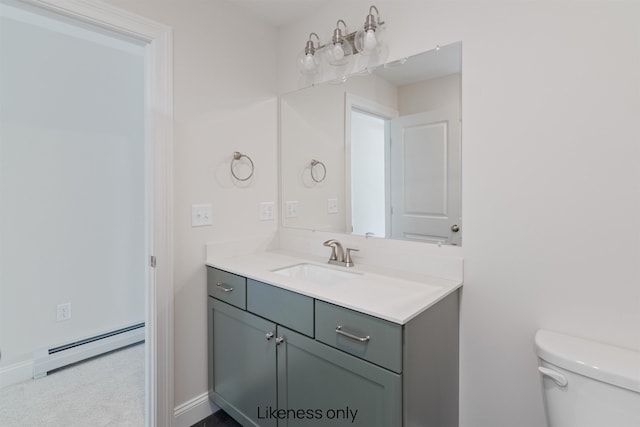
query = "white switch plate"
x=266 y=211
x=292 y=209
x=201 y=215
x=332 y=206
x=63 y=311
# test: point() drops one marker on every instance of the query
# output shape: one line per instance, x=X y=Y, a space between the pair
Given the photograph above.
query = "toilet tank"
x=588 y=384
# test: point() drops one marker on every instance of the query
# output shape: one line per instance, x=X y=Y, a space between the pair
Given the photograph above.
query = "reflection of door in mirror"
x=424 y=172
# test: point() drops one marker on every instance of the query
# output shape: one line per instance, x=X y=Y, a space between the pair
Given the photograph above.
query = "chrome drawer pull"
x=223 y=287
x=339 y=331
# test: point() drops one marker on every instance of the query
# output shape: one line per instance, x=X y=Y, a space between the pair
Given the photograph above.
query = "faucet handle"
x=348 y=262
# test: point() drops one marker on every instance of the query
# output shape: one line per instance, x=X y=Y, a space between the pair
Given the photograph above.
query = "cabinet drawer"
x=287 y=308
x=364 y=336
x=227 y=287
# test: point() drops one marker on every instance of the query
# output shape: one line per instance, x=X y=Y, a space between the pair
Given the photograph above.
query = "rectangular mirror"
x=378 y=154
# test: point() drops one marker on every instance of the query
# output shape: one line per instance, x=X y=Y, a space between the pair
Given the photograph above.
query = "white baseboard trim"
x=16 y=373
x=194 y=410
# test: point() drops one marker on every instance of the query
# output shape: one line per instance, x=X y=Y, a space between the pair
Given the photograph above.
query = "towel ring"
x=315 y=163
x=237 y=156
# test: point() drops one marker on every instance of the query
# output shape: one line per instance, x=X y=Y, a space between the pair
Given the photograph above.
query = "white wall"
x=224 y=101
x=550 y=100
x=72 y=226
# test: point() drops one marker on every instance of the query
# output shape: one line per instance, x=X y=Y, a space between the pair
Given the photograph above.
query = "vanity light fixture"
x=308 y=61
x=365 y=40
x=341 y=45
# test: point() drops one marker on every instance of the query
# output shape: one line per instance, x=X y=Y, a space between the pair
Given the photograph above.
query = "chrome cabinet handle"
x=455 y=228
x=339 y=331
x=269 y=335
x=279 y=340
x=223 y=287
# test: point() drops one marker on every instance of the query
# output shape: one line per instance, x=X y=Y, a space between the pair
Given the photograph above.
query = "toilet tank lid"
x=607 y=363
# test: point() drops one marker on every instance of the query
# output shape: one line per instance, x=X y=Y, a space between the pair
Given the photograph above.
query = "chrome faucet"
x=338 y=255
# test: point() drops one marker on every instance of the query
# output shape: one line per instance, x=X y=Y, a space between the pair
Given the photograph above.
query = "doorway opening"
x=369 y=174
x=102 y=202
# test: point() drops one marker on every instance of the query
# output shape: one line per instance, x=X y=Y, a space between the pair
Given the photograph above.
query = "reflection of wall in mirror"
x=428 y=95
x=312 y=127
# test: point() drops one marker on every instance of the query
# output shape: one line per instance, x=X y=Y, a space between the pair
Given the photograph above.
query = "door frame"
x=157 y=41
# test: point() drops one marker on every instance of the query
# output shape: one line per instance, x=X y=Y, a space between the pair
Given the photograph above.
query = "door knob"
x=269 y=335
x=455 y=228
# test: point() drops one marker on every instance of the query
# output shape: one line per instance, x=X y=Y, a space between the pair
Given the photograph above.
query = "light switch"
x=201 y=215
x=332 y=206
x=266 y=211
x=292 y=209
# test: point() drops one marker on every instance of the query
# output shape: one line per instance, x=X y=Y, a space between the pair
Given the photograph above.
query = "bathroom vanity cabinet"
x=280 y=358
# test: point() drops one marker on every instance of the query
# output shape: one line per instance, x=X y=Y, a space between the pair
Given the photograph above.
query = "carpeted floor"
x=104 y=391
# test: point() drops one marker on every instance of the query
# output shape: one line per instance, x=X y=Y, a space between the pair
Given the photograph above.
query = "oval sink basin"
x=316 y=273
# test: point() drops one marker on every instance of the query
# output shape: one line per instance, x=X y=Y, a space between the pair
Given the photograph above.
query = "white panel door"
x=425 y=177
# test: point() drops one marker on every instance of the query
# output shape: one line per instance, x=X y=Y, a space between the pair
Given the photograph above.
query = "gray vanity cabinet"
x=279 y=358
x=243 y=376
x=333 y=388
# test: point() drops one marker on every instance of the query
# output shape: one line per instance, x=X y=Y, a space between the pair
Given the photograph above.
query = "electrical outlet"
x=266 y=211
x=64 y=311
x=292 y=209
x=332 y=206
x=201 y=215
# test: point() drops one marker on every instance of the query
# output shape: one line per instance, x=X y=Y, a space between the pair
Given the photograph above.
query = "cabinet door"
x=321 y=386
x=242 y=364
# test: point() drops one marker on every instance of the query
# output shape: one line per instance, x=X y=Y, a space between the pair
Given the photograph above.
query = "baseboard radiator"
x=47 y=360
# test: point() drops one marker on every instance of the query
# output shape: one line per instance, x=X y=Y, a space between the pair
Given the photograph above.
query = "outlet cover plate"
x=63 y=312
x=201 y=215
x=266 y=211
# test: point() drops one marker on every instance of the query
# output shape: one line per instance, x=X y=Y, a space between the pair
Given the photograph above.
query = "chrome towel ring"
x=315 y=163
x=237 y=156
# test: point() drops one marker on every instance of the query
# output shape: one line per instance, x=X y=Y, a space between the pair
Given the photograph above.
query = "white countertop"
x=392 y=295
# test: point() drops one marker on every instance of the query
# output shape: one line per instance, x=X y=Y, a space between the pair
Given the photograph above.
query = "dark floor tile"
x=218 y=419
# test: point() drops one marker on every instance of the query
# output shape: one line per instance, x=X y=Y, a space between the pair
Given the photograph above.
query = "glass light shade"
x=308 y=63
x=367 y=42
x=337 y=53
x=370 y=41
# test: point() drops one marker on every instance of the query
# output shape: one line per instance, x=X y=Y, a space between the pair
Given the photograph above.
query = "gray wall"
x=72 y=226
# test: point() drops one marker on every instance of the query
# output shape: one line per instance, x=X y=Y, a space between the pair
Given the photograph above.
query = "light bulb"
x=308 y=64
x=338 y=52
x=370 y=41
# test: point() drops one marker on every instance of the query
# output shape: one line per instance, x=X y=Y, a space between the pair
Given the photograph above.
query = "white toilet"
x=588 y=384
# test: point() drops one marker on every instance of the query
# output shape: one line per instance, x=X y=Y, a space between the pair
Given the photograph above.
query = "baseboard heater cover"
x=47 y=360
